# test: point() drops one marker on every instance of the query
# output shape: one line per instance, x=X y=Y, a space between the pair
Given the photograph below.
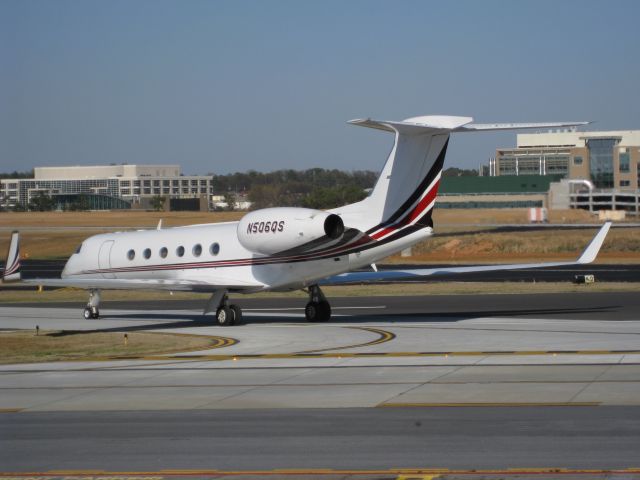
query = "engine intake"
x=333 y=226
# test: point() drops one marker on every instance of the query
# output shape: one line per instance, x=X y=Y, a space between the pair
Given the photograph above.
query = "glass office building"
x=609 y=160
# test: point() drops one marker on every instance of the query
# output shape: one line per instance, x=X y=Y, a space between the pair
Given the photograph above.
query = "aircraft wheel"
x=87 y=313
x=317 y=311
x=325 y=311
x=224 y=316
x=96 y=313
x=237 y=314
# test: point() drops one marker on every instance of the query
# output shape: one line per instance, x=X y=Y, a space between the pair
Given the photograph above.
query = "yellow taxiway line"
x=220 y=357
x=490 y=404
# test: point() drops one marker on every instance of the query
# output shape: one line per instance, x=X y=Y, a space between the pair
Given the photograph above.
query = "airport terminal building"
x=593 y=170
x=108 y=186
x=607 y=159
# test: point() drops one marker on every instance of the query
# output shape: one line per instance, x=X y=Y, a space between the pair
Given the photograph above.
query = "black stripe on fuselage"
x=349 y=236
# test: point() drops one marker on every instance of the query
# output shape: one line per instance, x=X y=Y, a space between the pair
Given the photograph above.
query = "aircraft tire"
x=317 y=312
x=224 y=316
x=87 y=313
x=325 y=311
x=311 y=311
x=237 y=314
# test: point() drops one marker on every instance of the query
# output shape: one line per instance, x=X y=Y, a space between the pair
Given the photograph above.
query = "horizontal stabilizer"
x=483 y=127
x=417 y=125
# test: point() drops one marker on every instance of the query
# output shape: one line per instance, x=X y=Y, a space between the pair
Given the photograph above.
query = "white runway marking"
x=296 y=309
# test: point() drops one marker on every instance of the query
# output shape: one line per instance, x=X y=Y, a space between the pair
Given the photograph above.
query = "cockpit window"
x=78 y=249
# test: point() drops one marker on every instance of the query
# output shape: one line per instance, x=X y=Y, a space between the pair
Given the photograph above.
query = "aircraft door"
x=104 y=258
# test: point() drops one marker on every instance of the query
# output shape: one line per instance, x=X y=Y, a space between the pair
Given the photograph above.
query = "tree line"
x=313 y=188
x=16 y=174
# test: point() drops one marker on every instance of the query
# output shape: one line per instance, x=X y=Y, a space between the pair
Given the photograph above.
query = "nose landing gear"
x=91 y=311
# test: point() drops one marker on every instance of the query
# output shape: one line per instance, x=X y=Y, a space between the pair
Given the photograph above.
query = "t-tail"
x=11 y=271
x=405 y=193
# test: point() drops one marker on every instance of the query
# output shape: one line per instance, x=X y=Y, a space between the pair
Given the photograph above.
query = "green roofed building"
x=521 y=191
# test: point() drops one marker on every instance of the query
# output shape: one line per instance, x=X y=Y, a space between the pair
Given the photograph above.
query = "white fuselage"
x=211 y=253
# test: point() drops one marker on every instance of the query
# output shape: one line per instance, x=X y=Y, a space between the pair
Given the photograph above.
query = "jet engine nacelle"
x=273 y=230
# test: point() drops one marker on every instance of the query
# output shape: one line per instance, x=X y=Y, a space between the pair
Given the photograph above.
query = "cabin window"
x=147 y=253
x=164 y=252
x=214 y=249
x=196 y=250
x=131 y=254
x=180 y=251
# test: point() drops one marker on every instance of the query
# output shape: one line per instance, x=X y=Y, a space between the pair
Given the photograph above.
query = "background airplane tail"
x=11 y=271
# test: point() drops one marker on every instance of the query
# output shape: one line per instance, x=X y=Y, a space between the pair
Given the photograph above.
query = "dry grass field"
x=491 y=216
x=49 y=235
x=455 y=246
x=25 y=346
x=122 y=218
x=460 y=236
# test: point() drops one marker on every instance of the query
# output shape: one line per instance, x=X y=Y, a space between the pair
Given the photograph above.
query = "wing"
x=588 y=256
x=139 y=284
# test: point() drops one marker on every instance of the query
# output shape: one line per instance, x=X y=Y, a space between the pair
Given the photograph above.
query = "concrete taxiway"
x=473 y=381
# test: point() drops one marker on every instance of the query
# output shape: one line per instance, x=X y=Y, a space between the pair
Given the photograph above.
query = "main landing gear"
x=91 y=310
x=318 y=308
x=226 y=314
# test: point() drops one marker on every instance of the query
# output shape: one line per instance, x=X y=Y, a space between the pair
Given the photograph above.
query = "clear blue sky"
x=222 y=86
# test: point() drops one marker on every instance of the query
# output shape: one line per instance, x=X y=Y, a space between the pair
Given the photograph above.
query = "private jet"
x=284 y=249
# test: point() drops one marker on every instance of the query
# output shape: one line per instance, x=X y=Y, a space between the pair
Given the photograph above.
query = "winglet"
x=591 y=252
x=11 y=271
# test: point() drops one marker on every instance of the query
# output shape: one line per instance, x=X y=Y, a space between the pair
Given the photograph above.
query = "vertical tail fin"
x=406 y=190
x=408 y=184
x=11 y=271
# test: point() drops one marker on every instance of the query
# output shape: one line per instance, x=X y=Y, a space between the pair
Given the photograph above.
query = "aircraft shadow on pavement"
x=185 y=320
x=181 y=321
x=572 y=313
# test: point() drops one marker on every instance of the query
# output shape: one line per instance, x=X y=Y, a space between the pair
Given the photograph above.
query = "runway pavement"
x=307 y=440
x=455 y=382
